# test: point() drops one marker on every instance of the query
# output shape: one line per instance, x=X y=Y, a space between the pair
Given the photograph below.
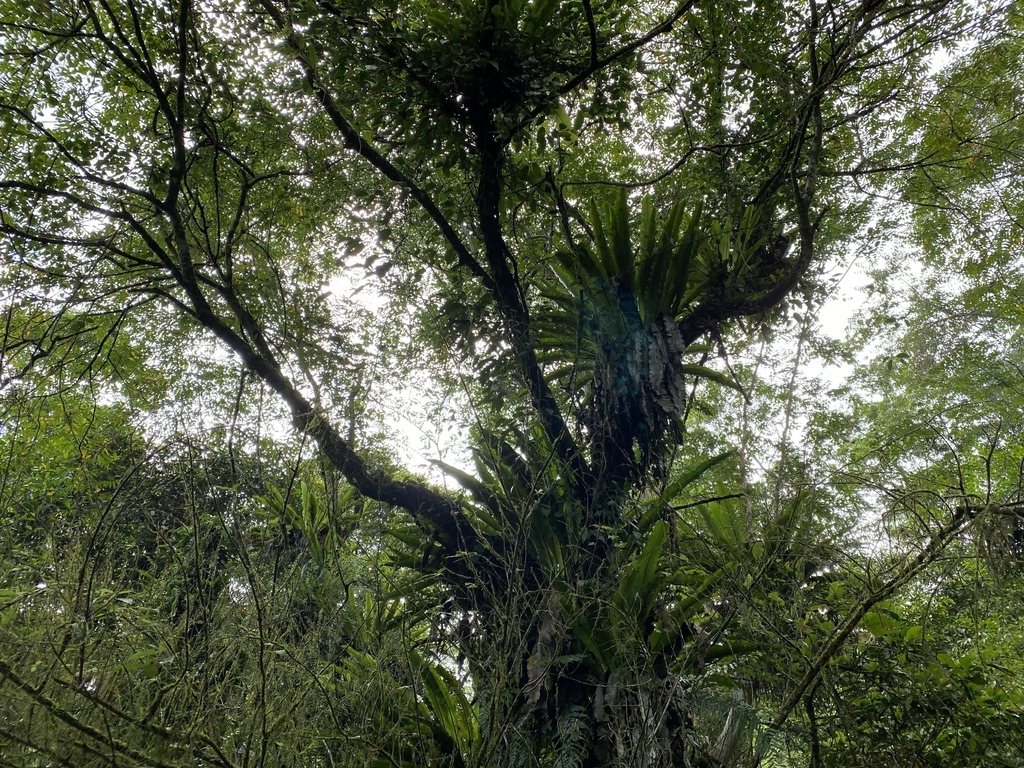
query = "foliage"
x=577 y=222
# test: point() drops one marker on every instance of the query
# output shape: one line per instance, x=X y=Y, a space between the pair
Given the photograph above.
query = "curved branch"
x=443 y=515
x=356 y=143
x=597 y=64
x=431 y=510
x=507 y=293
x=962 y=516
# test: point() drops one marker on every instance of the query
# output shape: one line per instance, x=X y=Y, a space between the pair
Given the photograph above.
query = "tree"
x=576 y=204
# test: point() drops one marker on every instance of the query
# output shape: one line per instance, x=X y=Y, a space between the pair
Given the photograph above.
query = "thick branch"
x=804 y=143
x=512 y=305
x=429 y=508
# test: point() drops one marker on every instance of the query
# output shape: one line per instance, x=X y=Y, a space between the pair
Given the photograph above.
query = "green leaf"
x=677 y=486
x=621 y=245
x=701 y=372
x=913 y=633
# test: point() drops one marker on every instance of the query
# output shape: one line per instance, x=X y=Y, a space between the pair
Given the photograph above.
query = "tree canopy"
x=587 y=242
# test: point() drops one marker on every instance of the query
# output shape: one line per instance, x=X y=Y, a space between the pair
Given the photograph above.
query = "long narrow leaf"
x=677 y=277
x=604 y=263
x=622 y=248
x=654 y=507
x=701 y=372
